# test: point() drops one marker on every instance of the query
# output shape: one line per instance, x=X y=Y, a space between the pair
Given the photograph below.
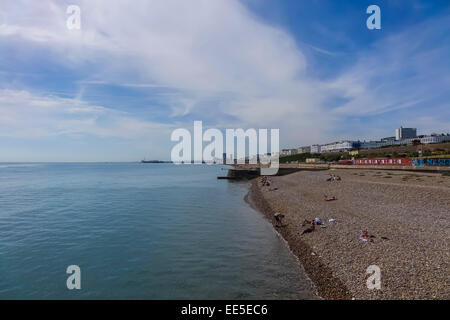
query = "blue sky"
x=117 y=88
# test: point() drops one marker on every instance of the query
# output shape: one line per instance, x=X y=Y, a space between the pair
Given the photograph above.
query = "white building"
x=306 y=149
x=422 y=139
x=288 y=152
x=405 y=133
x=315 y=148
x=435 y=139
x=339 y=146
x=403 y=136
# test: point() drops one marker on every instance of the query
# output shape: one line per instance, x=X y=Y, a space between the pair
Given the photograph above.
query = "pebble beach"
x=406 y=214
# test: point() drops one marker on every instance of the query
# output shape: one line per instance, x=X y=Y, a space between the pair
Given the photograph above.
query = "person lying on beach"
x=306 y=222
x=334 y=178
x=278 y=219
x=310 y=229
x=327 y=198
x=365 y=236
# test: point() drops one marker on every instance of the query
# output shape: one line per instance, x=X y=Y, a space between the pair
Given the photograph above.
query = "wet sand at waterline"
x=407 y=213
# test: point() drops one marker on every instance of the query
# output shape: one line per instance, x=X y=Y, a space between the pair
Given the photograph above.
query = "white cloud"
x=25 y=115
x=205 y=50
x=222 y=62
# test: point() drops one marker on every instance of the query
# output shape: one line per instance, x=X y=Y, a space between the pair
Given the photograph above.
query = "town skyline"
x=346 y=144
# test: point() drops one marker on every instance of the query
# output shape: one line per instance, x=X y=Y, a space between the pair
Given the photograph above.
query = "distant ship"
x=155 y=161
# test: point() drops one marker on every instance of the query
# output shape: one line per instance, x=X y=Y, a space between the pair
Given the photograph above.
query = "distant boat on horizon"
x=155 y=161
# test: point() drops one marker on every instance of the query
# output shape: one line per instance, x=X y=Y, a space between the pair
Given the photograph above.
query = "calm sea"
x=137 y=231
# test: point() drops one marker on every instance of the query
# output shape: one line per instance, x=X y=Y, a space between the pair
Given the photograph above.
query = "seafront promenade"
x=325 y=166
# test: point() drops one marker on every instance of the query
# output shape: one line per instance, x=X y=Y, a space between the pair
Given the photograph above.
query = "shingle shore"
x=407 y=213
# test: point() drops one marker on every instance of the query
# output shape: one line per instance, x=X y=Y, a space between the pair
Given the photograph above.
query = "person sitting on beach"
x=278 y=219
x=327 y=198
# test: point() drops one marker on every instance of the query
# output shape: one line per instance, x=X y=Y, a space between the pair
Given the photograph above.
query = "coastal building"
x=434 y=138
x=339 y=146
x=315 y=148
x=288 y=152
x=387 y=139
x=403 y=136
x=405 y=133
x=312 y=160
x=369 y=144
x=306 y=149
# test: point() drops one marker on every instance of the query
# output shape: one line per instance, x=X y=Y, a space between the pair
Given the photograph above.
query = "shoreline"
x=315 y=269
x=409 y=231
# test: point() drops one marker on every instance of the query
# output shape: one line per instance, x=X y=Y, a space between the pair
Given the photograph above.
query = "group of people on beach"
x=310 y=225
x=278 y=217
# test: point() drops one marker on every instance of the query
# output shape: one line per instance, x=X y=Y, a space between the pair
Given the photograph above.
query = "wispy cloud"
x=26 y=115
x=216 y=61
x=403 y=74
x=320 y=50
x=215 y=50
